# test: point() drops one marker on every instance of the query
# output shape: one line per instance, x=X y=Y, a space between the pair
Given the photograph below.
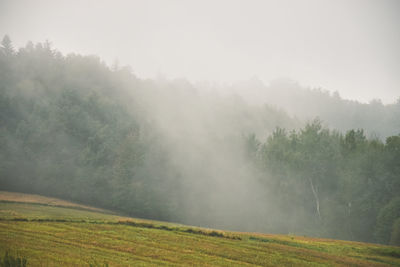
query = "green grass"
x=60 y=236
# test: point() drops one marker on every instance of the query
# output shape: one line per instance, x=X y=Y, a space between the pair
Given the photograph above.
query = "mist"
x=204 y=136
x=264 y=116
x=344 y=46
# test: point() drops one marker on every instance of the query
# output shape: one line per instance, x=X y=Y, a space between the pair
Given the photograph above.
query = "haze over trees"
x=248 y=157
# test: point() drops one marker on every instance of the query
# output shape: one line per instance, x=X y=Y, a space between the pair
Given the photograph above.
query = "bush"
x=13 y=261
x=386 y=221
x=395 y=236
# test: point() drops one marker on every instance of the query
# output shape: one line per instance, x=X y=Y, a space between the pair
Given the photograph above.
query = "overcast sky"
x=352 y=46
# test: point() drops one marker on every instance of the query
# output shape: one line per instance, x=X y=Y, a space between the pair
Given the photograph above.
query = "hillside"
x=48 y=201
x=69 y=235
x=377 y=119
x=73 y=128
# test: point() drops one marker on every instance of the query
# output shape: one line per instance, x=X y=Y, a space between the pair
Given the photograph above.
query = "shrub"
x=395 y=236
x=13 y=261
x=386 y=220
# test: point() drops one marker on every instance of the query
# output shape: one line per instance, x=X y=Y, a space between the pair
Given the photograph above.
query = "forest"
x=275 y=158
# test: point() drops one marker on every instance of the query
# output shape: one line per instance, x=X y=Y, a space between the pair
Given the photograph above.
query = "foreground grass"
x=60 y=236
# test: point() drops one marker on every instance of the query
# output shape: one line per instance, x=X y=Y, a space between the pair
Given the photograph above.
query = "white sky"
x=352 y=46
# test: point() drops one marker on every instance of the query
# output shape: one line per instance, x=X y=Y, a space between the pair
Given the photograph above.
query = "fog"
x=345 y=46
x=203 y=134
x=269 y=116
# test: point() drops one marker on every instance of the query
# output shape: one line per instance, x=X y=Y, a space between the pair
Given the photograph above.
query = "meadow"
x=48 y=234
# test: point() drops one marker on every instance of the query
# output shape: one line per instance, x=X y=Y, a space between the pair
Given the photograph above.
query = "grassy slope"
x=30 y=198
x=52 y=236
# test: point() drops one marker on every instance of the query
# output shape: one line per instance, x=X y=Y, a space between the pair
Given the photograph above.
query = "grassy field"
x=49 y=201
x=69 y=235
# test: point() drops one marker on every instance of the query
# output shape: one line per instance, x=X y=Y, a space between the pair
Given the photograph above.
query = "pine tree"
x=6 y=46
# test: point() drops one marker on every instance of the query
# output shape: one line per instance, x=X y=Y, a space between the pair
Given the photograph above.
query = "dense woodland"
x=73 y=128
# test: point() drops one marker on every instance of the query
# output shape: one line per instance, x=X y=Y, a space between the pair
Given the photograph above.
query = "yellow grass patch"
x=30 y=198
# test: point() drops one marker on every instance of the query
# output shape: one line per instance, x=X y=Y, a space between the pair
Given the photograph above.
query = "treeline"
x=377 y=120
x=73 y=128
x=336 y=185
